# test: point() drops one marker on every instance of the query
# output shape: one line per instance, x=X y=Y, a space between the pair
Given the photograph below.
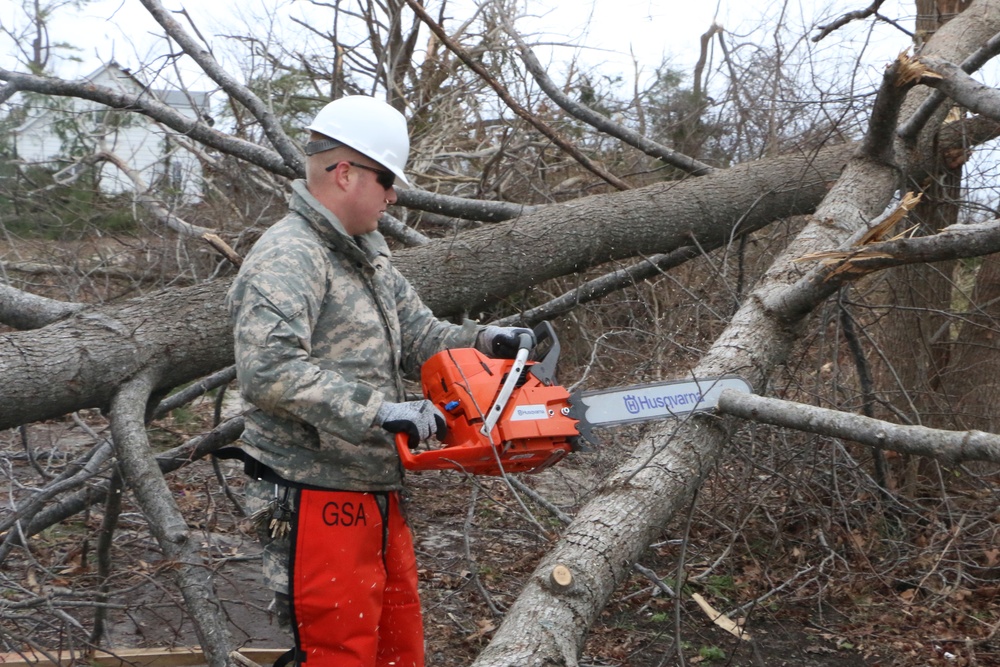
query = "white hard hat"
x=369 y=126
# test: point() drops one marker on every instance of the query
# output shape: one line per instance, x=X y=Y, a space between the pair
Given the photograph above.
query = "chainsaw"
x=511 y=415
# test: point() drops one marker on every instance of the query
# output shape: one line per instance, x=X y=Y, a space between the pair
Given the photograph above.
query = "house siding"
x=141 y=143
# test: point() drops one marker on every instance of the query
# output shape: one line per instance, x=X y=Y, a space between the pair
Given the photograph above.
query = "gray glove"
x=417 y=419
x=502 y=342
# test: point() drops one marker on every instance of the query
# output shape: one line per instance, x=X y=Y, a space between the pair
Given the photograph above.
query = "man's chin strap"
x=320 y=145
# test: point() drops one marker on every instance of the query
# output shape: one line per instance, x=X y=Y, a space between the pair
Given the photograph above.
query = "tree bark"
x=81 y=361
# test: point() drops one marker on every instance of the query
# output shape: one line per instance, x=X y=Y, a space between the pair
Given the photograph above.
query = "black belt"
x=254 y=468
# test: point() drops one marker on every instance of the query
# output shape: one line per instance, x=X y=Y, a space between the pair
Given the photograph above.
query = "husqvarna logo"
x=529 y=412
x=638 y=404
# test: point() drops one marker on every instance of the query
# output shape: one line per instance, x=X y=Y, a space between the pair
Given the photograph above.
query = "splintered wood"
x=875 y=234
x=720 y=619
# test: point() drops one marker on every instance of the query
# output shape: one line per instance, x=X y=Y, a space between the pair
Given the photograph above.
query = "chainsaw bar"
x=647 y=402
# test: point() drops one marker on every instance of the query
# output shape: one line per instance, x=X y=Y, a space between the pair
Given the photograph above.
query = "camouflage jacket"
x=325 y=327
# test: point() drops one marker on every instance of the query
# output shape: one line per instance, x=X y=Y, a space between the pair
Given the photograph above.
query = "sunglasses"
x=383 y=177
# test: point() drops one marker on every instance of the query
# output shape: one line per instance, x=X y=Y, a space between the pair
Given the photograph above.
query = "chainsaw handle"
x=507 y=388
x=406 y=455
x=411 y=459
x=477 y=457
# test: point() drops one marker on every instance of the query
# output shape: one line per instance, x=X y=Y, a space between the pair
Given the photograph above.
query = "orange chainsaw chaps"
x=532 y=433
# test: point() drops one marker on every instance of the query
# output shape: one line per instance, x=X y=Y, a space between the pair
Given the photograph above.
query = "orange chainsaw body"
x=533 y=431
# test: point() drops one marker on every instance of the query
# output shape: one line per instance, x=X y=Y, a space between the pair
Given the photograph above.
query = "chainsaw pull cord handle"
x=523 y=350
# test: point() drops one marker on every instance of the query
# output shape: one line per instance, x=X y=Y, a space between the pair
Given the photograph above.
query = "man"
x=325 y=328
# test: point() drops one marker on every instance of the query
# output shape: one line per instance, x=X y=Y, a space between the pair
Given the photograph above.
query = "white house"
x=56 y=135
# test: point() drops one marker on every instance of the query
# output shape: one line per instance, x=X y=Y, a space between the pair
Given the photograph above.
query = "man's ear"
x=342 y=175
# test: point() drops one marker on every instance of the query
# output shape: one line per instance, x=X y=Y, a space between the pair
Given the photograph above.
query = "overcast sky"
x=598 y=33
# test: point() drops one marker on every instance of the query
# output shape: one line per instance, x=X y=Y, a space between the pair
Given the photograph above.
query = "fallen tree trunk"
x=184 y=333
x=77 y=363
x=480 y=267
x=80 y=362
x=547 y=624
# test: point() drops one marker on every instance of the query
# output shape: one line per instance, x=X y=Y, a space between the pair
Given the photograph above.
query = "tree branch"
x=148 y=200
x=459 y=207
x=193 y=391
x=856 y=15
x=76 y=474
x=841 y=267
x=953 y=82
x=166 y=522
x=910 y=128
x=598 y=121
x=949 y=446
x=476 y=67
x=146 y=104
x=697 y=82
x=604 y=285
x=290 y=153
x=897 y=80
x=393 y=227
x=23 y=310
x=105 y=540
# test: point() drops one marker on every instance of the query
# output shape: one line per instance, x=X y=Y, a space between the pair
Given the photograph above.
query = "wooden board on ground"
x=140 y=657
